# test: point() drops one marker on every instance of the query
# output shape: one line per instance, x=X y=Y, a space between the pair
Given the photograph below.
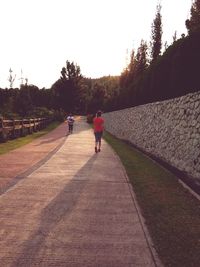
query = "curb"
x=150 y=244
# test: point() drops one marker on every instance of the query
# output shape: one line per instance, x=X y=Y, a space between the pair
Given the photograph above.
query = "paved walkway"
x=68 y=206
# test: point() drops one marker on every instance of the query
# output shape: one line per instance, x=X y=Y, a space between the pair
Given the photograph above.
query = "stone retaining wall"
x=169 y=130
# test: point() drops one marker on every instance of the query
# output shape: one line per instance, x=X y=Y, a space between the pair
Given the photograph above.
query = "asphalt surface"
x=61 y=204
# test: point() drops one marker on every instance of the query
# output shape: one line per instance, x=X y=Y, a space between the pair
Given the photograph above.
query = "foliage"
x=144 y=80
x=156 y=43
x=176 y=72
x=24 y=104
x=67 y=90
x=193 y=24
x=103 y=94
x=42 y=112
x=172 y=74
x=11 y=78
x=131 y=76
x=90 y=118
x=59 y=115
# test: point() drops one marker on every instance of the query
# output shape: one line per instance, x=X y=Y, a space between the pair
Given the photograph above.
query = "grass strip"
x=171 y=213
x=21 y=141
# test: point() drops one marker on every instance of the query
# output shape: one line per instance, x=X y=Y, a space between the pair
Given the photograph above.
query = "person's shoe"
x=96 y=149
x=99 y=150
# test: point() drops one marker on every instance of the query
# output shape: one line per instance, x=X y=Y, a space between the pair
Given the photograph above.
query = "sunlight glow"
x=38 y=36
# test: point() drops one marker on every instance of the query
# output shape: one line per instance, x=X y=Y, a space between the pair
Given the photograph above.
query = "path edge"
x=32 y=168
x=153 y=252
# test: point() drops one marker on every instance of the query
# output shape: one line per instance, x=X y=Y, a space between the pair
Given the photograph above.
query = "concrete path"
x=73 y=208
x=18 y=163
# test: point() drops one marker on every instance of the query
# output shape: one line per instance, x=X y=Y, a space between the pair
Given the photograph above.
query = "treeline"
x=74 y=93
x=173 y=74
x=70 y=93
x=153 y=74
x=28 y=101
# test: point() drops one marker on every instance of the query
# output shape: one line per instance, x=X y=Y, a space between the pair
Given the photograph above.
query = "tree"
x=97 y=100
x=175 y=37
x=156 y=35
x=193 y=24
x=166 y=45
x=11 y=78
x=141 y=63
x=68 y=88
x=24 y=104
x=128 y=74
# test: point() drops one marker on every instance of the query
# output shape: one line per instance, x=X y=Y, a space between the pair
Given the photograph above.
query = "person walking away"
x=70 y=121
x=98 y=123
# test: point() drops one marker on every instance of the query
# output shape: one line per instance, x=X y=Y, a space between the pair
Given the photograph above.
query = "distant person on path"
x=70 y=121
x=98 y=123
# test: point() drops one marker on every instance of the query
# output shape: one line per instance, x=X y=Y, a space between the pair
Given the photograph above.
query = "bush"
x=9 y=115
x=42 y=112
x=59 y=115
x=90 y=118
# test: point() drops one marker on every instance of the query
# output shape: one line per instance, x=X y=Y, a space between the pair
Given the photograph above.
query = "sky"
x=37 y=37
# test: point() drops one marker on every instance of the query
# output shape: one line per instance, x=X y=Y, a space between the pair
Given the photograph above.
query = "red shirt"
x=98 y=124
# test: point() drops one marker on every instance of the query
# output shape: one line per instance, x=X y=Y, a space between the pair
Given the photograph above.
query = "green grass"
x=171 y=213
x=13 y=144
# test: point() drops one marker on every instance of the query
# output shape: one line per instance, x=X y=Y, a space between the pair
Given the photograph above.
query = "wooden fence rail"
x=10 y=129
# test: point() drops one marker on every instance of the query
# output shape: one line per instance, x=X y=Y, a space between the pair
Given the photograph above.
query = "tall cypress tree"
x=156 y=35
x=141 y=63
x=193 y=24
x=128 y=73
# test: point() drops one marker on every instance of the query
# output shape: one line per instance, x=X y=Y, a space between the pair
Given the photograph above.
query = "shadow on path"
x=53 y=214
x=57 y=137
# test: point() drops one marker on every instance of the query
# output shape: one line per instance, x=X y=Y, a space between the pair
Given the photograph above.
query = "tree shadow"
x=49 y=140
x=57 y=210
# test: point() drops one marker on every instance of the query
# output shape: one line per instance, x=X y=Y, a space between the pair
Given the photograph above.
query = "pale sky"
x=38 y=36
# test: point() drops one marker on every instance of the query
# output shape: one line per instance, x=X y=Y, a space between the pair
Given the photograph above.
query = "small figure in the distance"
x=70 y=121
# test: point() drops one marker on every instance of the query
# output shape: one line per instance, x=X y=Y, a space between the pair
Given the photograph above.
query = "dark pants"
x=70 y=128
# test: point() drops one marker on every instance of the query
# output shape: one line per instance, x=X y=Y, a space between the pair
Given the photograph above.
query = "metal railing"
x=10 y=129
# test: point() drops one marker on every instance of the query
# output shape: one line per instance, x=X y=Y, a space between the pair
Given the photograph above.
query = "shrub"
x=90 y=118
